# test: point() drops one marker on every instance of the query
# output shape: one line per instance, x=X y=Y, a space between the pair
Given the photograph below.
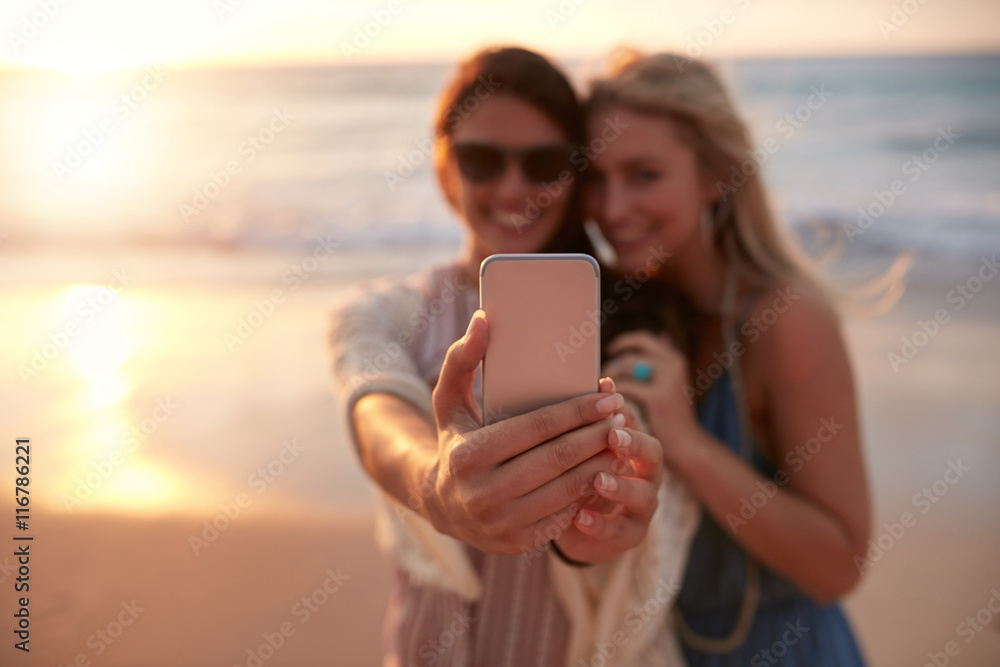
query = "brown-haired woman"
x=475 y=517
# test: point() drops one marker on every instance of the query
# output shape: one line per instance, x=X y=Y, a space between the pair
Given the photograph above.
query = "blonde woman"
x=759 y=414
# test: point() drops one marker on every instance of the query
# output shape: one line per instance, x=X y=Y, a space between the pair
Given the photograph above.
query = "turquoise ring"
x=642 y=372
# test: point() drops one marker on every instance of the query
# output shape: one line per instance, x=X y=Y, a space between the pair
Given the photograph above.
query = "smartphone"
x=543 y=313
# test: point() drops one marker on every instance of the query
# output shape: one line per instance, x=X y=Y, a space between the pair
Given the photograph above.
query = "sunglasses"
x=481 y=163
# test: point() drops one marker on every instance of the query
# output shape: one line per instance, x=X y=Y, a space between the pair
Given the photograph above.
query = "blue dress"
x=788 y=628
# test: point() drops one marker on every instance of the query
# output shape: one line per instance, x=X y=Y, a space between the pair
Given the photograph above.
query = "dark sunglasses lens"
x=544 y=165
x=480 y=163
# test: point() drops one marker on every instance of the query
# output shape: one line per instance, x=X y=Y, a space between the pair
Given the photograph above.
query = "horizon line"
x=323 y=63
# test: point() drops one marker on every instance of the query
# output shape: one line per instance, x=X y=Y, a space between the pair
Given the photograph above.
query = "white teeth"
x=629 y=236
x=512 y=220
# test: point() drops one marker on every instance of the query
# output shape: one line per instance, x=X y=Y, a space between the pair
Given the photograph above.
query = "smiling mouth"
x=628 y=237
x=513 y=220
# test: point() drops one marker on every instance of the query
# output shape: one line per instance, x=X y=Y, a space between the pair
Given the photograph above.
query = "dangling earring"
x=713 y=217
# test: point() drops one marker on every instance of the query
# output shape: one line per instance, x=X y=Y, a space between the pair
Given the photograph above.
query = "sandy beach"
x=186 y=188
x=121 y=579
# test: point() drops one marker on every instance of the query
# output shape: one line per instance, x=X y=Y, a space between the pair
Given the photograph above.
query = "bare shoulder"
x=798 y=333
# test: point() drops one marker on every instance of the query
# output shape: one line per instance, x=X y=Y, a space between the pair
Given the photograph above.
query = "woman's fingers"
x=546 y=462
x=615 y=513
x=634 y=489
x=636 y=496
x=455 y=407
x=643 y=451
x=573 y=486
x=615 y=529
x=505 y=440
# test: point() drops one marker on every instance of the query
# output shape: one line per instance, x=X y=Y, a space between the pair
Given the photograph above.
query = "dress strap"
x=751 y=594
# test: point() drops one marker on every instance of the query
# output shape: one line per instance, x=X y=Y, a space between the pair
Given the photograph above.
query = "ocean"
x=159 y=237
x=165 y=309
x=898 y=153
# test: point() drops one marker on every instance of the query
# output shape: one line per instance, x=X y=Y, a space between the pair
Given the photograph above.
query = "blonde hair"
x=691 y=94
x=745 y=230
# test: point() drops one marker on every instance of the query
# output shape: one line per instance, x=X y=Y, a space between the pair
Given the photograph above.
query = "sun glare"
x=109 y=468
x=142 y=487
x=104 y=342
x=81 y=63
x=108 y=465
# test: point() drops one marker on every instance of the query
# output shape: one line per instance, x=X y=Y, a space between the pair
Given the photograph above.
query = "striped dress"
x=392 y=336
x=453 y=605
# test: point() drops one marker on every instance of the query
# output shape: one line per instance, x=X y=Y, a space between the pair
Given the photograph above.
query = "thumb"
x=454 y=401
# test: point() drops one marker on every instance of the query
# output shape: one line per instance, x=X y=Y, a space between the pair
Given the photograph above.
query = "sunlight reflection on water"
x=108 y=470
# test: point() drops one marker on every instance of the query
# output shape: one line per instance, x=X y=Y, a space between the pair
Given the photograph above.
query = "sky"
x=102 y=35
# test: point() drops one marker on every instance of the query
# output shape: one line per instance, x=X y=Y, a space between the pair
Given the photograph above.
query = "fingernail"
x=606 y=482
x=611 y=380
x=624 y=438
x=618 y=419
x=584 y=518
x=609 y=404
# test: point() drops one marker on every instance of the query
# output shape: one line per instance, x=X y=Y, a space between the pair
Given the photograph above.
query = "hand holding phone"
x=544 y=317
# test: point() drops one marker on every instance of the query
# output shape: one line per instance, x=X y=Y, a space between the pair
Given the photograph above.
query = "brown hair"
x=530 y=77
